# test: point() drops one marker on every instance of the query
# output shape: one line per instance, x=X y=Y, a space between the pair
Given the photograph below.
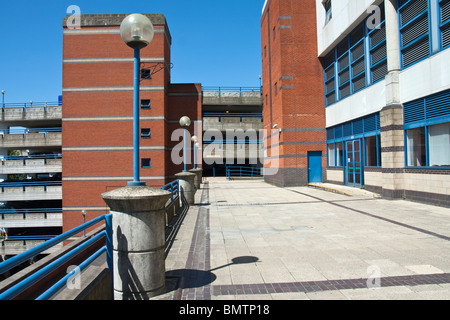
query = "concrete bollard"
x=187 y=183
x=198 y=177
x=138 y=222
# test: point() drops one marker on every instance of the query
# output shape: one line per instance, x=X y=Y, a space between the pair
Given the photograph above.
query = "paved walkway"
x=250 y=240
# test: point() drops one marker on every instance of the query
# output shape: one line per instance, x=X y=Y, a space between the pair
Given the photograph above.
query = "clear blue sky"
x=216 y=43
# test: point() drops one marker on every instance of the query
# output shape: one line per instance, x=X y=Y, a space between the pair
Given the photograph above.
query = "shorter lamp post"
x=197 y=146
x=3 y=98
x=137 y=32
x=194 y=140
x=185 y=122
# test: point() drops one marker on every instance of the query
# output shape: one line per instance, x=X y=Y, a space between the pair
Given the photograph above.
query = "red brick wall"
x=292 y=65
x=98 y=113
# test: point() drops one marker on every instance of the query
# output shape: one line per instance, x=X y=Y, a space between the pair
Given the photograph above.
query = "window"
x=274 y=33
x=336 y=154
x=339 y=154
x=414 y=31
x=331 y=155
x=445 y=23
x=439 y=144
x=146 y=163
x=346 y=67
x=378 y=50
x=145 y=133
x=276 y=88
x=428 y=130
x=145 y=104
x=416 y=147
x=328 y=10
x=146 y=74
x=372 y=152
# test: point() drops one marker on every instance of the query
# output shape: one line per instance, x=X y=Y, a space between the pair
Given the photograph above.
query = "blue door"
x=353 y=163
x=314 y=166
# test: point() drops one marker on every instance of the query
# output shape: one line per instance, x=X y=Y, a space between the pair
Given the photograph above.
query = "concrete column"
x=391 y=116
x=198 y=177
x=187 y=182
x=138 y=241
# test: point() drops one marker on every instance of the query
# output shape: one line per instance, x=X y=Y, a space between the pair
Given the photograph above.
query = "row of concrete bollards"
x=138 y=221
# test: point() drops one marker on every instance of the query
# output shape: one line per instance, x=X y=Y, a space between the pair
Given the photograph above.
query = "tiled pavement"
x=250 y=240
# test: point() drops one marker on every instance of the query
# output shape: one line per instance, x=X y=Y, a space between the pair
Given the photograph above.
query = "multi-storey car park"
x=30 y=171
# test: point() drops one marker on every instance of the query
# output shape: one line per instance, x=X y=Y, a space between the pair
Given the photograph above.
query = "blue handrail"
x=233 y=141
x=32 y=104
x=234 y=89
x=24 y=185
x=33 y=156
x=25 y=256
x=224 y=114
x=24 y=131
x=173 y=187
x=45 y=211
x=243 y=172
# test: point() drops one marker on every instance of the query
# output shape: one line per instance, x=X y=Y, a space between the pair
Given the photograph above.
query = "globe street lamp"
x=137 y=32
x=185 y=122
x=194 y=140
x=3 y=98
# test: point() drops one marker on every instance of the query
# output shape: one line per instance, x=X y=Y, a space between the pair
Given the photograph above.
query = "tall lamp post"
x=3 y=98
x=194 y=140
x=137 y=32
x=185 y=122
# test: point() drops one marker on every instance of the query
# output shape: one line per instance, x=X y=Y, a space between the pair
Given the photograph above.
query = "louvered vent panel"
x=438 y=105
x=445 y=11
x=414 y=111
x=412 y=10
x=379 y=72
x=416 y=52
x=415 y=30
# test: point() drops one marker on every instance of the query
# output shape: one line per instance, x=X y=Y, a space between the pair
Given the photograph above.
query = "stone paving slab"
x=250 y=240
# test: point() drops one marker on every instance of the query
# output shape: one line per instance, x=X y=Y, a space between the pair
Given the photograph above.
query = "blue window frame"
x=357 y=62
x=367 y=129
x=444 y=18
x=415 y=43
x=378 y=52
x=427 y=131
x=328 y=10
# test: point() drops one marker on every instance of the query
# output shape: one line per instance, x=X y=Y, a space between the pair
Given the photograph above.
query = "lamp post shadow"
x=192 y=278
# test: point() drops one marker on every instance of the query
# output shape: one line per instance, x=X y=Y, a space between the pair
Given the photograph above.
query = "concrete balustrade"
x=198 y=177
x=138 y=222
x=187 y=183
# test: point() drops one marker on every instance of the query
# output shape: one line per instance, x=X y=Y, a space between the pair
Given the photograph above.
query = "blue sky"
x=216 y=43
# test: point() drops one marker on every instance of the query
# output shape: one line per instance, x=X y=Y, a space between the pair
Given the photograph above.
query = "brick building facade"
x=98 y=112
x=294 y=110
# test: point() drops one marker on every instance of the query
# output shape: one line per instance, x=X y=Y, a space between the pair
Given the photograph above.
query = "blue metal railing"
x=174 y=188
x=245 y=141
x=32 y=157
x=45 y=211
x=19 y=184
x=25 y=131
x=32 y=104
x=26 y=238
x=233 y=89
x=221 y=115
x=243 y=172
x=40 y=274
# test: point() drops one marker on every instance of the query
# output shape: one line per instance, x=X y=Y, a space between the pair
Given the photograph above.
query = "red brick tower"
x=293 y=92
x=98 y=112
